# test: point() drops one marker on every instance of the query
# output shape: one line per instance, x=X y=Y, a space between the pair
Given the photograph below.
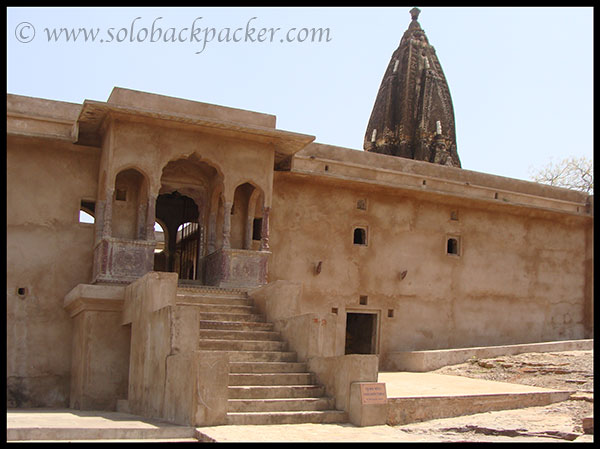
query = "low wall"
x=196 y=389
x=231 y=268
x=338 y=373
x=308 y=334
x=100 y=346
x=417 y=409
x=168 y=378
x=421 y=361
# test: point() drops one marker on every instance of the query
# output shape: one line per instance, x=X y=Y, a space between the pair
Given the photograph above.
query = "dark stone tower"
x=413 y=115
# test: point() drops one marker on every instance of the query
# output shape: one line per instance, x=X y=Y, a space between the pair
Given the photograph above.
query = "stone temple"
x=284 y=269
x=413 y=115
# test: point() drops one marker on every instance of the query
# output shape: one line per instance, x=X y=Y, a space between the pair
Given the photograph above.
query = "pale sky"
x=521 y=79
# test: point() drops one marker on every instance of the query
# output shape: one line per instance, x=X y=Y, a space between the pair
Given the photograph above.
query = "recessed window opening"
x=121 y=195
x=334 y=310
x=360 y=236
x=86 y=212
x=452 y=246
x=257 y=229
x=327 y=168
x=454 y=215
x=361 y=204
x=363 y=300
x=21 y=291
x=390 y=313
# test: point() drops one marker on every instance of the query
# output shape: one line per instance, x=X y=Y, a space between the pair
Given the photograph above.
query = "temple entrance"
x=182 y=239
x=184 y=211
x=361 y=333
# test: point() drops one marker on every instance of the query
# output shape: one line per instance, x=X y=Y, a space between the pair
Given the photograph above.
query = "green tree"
x=571 y=173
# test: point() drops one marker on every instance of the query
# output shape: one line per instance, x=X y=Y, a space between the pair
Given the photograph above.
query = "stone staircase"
x=267 y=385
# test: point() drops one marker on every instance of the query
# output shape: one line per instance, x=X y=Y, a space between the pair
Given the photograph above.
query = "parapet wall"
x=421 y=361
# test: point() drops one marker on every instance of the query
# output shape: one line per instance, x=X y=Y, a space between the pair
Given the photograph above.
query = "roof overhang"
x=87 y=129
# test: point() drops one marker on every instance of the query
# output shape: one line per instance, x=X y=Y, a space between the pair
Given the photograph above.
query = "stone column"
x=212 y=232
x=264 y=232
x=107 y=219
x=99 y=212
x=248 y=236
x=200 y=247
x=150 y=217
x=142 y=220
x=227 y=224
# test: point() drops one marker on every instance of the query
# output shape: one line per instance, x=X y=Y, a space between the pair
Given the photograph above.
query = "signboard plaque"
x=373 y=393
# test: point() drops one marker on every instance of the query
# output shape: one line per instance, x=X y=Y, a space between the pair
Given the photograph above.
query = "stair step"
x=217 y=300
x=275 y=391
x=297 y=417
x=267 y=385
x=280 y=404
x=192 y=287
x=223 y=308
x=230 y=334
x=257 y=356
x=236 y=325
x=237 y=379
x=242 y=345
x=267 y=367
x=217 y=316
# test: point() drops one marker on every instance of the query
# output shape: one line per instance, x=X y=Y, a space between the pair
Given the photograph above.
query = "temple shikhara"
x=232 y=272
x=413 y=115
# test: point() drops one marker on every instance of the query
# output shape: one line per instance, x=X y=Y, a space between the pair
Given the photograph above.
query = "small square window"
x=452 y=246
x=360 y=236
x=363 y=299
x=454 y=215
x=390 y=313
x=361 y=204
x=121 y=194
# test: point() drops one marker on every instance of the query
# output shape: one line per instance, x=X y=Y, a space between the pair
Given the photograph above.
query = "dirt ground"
x=562 y=421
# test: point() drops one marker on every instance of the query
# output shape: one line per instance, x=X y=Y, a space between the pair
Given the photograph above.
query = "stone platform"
x=76 y=425
x=414 y=397
x=411 y=396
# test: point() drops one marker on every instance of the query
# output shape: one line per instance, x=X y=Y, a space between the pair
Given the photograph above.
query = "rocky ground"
x=562 y=421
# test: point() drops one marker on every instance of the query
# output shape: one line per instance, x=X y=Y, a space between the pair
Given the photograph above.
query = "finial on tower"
x=414 y=13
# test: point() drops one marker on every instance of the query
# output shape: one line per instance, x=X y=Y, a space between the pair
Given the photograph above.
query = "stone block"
x=196 y=389
x=367 y=404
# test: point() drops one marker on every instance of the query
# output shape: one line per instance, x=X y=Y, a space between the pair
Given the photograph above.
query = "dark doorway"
x=361 y=333
x=179 y=213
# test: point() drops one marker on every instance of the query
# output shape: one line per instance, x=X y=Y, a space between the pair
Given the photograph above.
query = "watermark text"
x=156 y=30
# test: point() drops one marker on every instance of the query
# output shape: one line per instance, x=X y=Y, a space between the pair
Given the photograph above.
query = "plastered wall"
x=48 y=252
x=517 y=278
x=149 y=148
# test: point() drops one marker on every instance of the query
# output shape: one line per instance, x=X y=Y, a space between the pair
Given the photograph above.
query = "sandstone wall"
x=519 y=277
x=48 y=253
